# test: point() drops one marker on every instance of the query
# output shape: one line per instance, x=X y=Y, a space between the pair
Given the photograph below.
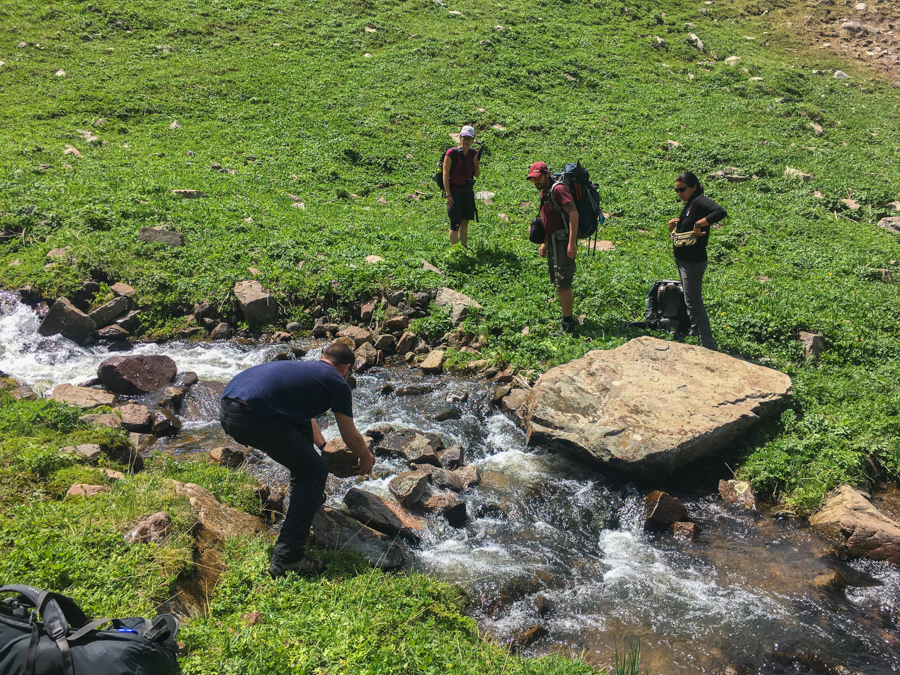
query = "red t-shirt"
x=551 y=218
x=463 y=169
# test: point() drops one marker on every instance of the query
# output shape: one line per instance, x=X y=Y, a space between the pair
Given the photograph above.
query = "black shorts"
x=463 y=208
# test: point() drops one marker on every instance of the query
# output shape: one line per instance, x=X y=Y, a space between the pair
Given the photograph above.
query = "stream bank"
x=555 y=544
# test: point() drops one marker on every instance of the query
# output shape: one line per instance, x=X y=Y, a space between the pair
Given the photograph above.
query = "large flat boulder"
x=67 y=320
x=650 y=406
x=135 y=375
x=335 y=530
x=861 y=529
x=256 y=303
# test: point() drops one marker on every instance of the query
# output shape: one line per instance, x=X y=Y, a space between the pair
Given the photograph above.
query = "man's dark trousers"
x=292 y=447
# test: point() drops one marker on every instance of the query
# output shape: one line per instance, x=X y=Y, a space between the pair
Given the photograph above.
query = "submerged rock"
x=651 y=406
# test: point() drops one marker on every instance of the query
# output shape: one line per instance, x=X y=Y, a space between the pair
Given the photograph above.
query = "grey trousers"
x=691 y=274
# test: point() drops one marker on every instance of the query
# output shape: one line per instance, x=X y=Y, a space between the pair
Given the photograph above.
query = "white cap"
x=467 y=131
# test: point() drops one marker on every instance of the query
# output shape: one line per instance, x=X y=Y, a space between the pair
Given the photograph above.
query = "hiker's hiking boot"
x=305 y=566
x=565 y=327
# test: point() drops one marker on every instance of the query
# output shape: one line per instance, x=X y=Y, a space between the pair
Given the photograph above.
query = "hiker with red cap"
x=560 y=242
x=461 y=168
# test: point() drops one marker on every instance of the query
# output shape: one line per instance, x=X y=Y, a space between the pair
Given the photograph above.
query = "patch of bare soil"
x=858 y=31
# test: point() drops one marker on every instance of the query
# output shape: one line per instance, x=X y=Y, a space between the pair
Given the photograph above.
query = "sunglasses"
x=680 y=190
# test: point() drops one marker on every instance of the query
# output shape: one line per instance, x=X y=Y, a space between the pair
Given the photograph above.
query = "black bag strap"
x=32 y=647
x=84 y=630
x=68 y=609
x=162 y=628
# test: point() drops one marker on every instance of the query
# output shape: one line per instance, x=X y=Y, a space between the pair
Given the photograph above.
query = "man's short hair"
x=339 y=353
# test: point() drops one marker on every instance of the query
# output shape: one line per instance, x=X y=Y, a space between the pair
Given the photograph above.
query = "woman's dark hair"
x=339 y=354
x=689 y=179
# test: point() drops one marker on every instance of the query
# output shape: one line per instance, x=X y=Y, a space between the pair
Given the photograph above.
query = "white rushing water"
x=547 y=531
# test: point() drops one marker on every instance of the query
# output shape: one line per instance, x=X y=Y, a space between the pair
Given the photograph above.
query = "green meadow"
x=329 y=119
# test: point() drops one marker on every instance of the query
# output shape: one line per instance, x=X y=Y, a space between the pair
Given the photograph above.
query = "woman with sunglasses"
x=690 y=235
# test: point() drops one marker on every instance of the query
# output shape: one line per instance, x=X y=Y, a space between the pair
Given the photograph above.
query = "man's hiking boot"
x=565 y=327
x=305 y=566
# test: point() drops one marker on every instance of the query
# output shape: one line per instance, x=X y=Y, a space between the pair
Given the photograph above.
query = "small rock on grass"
x=228 y=457
x=85 y=490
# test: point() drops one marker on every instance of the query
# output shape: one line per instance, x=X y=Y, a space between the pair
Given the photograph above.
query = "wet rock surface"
x=650 y=406
x=862 y=530
x=135 y=375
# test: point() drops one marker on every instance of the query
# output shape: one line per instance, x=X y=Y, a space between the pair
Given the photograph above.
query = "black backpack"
x=665 y=308
x=587 y=199
x=45 y=633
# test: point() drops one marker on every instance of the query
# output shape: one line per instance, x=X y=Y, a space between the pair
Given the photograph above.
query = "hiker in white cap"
x=461 y=168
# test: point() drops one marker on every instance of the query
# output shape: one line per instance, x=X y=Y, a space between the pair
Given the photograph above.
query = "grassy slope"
x=284 y=94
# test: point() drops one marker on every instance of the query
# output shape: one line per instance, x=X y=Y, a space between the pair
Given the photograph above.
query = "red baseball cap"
x=538 y=169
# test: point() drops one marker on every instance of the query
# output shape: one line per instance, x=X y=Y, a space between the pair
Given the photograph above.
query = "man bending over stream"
x=272 y=407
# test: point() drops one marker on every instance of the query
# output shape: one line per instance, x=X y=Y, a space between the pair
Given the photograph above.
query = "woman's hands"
x=672 y=224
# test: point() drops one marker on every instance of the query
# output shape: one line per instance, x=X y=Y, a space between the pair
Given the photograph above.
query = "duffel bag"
x=45 y=633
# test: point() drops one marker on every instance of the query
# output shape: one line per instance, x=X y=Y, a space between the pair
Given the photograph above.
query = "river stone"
x=408 y=341
x=67 y=320
x=82 y=397
x=90 y=451
x=141 y=441
x=468 y=476
x=458 y=304
x=385 y=343
x=514 y=404
x=113 y=333
x=366 y=357
x=108 y=420
x=434 y=362
x=443 y=478
x=686 y=531
x=340 y=460
x=862 y=529
x=371 y=510
x=127 y=456
x=360 y=336
x=135 y=375
x=335 y=530
x=105 y=314
x=409 y=486
x=228 y=457
x=84 y=490
x=452 y=457
x=155 y=528
x=256 y=303
x=165 y=423
x=651 y=406
x=450 y=414
x=155 y=235
x=738 y=492
x=663 y=510
x=135 y=417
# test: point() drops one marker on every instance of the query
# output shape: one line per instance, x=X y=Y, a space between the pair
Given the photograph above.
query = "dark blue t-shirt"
x=292 y=391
